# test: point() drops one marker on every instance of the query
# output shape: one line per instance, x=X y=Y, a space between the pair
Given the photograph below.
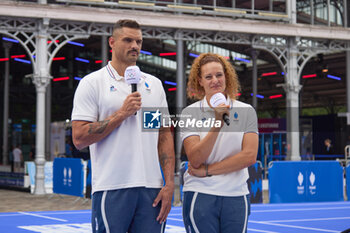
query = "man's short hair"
x=128 y=23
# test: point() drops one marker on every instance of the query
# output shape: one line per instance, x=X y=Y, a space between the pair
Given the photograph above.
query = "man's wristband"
x=206 y=171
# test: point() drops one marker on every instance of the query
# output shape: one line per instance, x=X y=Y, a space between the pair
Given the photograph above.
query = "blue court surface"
x=268 y=218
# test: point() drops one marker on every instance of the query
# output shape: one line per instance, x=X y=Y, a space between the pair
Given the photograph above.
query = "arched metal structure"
x=292 y=44
x=34 y=41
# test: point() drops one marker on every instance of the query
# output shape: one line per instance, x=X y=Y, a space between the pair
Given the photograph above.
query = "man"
x=17 y=158
x=328 y=147
x=127 y=184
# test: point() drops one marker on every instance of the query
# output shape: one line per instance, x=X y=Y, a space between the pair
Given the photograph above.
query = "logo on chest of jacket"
x=112 y=88
x=235 y=116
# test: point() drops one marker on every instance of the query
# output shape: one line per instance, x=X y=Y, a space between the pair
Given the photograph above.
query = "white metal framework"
x=292 y=45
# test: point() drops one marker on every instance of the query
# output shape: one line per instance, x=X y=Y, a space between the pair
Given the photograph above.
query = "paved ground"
x=13 y=201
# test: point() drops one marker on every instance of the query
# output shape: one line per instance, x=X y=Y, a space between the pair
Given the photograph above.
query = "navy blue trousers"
x=126 y=210
x=204 y=213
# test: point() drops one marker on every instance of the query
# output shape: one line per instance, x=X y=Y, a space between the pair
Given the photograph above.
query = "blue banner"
x=88 y=180
x=31 y=171
x=68 y=176
x=255 y=183
x=305 y=181
x=11 y=179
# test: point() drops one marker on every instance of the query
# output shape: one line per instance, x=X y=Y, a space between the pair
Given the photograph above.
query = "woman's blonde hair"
x=196 y=91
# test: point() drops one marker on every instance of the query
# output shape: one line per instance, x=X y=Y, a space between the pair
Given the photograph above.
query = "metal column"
x=345 y=13
x=271 y=5
x=312 y=12
x=348 y=81
x=48 y=101
x=254 y=55
x=180 y=94
x=41 y=79
x=328 y=13
x=104 y=49
x=292 y=10
x=292 y=88
x=7 y=47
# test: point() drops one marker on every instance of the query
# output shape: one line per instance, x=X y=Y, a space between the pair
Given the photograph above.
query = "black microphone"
x=226 y=119
x=133 y=87
x=132 y=76
x=215 y=101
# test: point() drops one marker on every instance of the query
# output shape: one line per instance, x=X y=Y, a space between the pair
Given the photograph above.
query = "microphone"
x=132 y=76
x=218 y=99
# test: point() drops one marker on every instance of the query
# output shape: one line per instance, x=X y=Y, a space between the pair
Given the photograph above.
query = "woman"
x=216 y=195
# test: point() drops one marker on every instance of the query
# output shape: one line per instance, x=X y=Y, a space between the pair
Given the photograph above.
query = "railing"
x=196 y=7
x=308 y=157
x=332 y=13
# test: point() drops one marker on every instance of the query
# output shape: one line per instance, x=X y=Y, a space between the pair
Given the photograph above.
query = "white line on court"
x=175 y=215
x=42 y=216
x=176 y=208
x=342 y=203
x=175 y=219
x=302 y=209
x=49 y=213
x=291 y=226
x=67 y=212
x=251 y=229
x=310 y=219
x=46 y=213
x=10 y=215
